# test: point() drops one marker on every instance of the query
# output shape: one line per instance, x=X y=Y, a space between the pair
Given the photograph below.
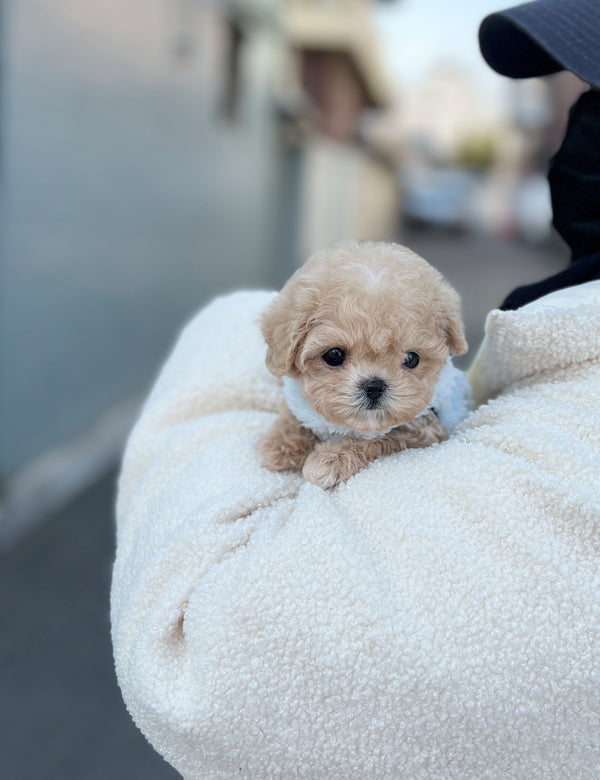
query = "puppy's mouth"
x=370 y=406
x=377 y=408
x=371 y=402
x=376 y=421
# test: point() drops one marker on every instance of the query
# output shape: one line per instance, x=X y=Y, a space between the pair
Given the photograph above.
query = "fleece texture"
x=437 y=617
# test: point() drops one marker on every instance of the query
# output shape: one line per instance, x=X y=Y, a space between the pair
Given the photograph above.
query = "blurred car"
x=533 y=208
x=439 y=197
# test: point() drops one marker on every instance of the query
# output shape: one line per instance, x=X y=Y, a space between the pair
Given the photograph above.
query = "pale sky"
x=417 y=34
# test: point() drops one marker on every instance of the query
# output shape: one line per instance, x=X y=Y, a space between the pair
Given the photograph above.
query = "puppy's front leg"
x=287 y=445
x=336 y=461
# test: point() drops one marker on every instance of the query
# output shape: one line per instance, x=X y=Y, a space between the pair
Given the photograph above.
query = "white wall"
x=126 y=201
x=345 y=194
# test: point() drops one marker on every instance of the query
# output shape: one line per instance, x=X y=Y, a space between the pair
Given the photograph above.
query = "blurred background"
x=156 y=153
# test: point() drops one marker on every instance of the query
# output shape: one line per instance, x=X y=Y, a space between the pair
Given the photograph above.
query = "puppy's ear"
x=450 y=320
x=284 y=325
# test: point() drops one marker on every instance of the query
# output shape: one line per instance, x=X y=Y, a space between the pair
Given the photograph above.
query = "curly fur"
x=377 y=302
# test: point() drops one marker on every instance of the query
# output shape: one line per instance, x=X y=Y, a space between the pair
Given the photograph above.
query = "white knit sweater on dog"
x=436 y=617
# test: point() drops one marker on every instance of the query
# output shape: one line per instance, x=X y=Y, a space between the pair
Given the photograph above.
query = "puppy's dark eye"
x=411 y=360
x=334 y=357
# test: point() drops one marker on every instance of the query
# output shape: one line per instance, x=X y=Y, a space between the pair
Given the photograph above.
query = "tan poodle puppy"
x=361 y=335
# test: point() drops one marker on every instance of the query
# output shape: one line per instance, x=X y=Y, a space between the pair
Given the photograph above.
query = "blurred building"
x=442 y=113
x=138 y=162
x=153 y=154
x=449 y=141
x=469 y=162
x=516 y=200
x=347 y=186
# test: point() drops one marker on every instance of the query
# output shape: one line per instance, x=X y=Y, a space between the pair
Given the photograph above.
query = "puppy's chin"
x=370 y=423
x=367 y=421
x=378 y=422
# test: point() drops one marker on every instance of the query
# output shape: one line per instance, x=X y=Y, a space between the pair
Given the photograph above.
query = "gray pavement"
x=62 y=717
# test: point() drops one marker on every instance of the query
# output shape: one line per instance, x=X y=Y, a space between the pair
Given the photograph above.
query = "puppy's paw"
x=327 y=468
x=276 y=456
x=286 y=446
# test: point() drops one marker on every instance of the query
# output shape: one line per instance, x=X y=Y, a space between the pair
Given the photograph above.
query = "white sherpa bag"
x=437 y=617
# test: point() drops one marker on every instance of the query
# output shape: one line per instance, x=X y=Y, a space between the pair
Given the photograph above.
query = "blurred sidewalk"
x=62 y=717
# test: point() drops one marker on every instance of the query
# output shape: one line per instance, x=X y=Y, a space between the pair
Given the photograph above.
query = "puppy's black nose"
x=374 y=389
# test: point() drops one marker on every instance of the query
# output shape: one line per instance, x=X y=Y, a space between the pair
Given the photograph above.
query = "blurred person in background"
x=536 y=39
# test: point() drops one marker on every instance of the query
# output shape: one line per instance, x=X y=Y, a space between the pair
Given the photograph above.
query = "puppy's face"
x=366 y=330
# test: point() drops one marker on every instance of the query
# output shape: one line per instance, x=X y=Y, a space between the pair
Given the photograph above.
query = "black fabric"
x=544 y=36
x=511 y=51
x=574 y=178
